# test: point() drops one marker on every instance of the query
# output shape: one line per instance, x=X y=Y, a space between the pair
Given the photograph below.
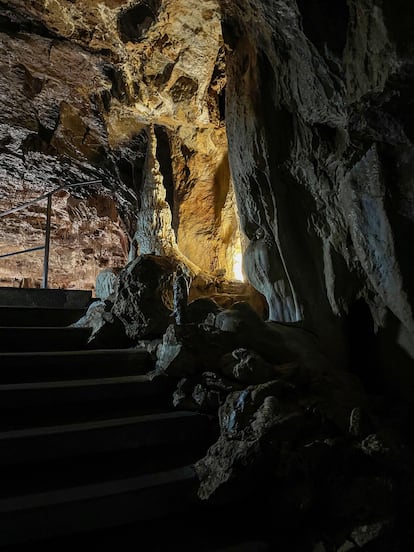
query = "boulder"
x=144 y=297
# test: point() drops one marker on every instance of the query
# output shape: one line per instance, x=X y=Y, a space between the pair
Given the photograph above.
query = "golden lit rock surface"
x=129 y=93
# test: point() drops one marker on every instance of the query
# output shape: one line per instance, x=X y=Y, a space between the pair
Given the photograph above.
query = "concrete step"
x=35 y=297
x=39 y=316
x=24 y=339
x=88 y=507
x=100 y=437
x=73 y=471
x=40 y=365
x=23 y=418
x=48 y=394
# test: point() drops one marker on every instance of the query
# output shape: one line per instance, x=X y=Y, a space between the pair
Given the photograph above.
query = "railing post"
x=47 y=242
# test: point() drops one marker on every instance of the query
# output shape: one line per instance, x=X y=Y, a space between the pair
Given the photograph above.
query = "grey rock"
x=200 y=310
x=369 y=533
x=246 y=366
x=359 y=423
x=347 y=546
x=314 y=204
x=174 y=356
x=106 y=283
x=144 y=295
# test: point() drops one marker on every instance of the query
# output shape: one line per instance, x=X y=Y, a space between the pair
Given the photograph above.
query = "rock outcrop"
x=321 y=151
x=131 y=94
x=314 y=99
x=300 y=441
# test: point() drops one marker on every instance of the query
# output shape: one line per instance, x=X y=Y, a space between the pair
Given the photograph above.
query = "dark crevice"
x=119 y=89
x=130 y=161
x=399 y=20
x=163 y=78
x=363 y=357
x=163 y=154
x=222 y=104
x=12 y=23
x=325 y=22
x=134 y=22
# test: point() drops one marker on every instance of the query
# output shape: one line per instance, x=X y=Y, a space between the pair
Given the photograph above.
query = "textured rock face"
x=318 y=116
x=321 y=150
x=131 y=93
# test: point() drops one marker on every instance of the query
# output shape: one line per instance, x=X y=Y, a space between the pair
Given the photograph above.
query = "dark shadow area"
x=401 y=100
x=397 y=366
x=164 y=159
x=325 y=22
x=279 y=121
x=119 y=87
x=399 y=20
x=130 y=161
x=134 y=22
x=13 y=23
x=183 y=89
x=363 y=356
x=222 y=104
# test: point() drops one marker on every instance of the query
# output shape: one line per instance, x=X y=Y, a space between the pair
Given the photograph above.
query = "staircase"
x=88 y=445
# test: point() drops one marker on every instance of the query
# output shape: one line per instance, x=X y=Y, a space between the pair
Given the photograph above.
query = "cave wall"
x=128 y=92
x=316 y=100
x=319 y=122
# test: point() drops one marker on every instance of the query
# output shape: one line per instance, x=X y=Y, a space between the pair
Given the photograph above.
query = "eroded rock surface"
x=128 y=93
x=300 y=441
x=321 y=150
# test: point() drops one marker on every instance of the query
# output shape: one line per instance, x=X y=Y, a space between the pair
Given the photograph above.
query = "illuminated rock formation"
x=321 y=151
x=320 y=145
x=129 y=93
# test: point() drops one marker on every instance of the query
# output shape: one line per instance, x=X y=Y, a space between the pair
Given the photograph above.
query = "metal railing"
x=46 y=246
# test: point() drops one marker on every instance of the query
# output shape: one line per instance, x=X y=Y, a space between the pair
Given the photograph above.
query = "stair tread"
x=67 y=298
x=19 y=315
x=97 y=424
x=96 y=490
x=86 y=382
x=90 y=353
x=86 y=447
x=45 y=328
x=41 y=307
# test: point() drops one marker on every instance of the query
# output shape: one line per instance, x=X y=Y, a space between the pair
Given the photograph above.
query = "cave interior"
x=249 y=228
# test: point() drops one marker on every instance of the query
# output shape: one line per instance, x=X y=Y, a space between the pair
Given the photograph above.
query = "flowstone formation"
x=132 y=94
x=318 y=114
x=313 y=406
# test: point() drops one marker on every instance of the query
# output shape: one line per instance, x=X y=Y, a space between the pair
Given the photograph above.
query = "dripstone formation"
x=130 y=93
x=299 y=112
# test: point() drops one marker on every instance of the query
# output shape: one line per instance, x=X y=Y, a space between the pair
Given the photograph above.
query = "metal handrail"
x=46 y=247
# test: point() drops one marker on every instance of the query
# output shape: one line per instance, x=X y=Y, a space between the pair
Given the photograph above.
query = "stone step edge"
x=87 y=352
x=68 y=384
x=41 y=308
x=97 y=490
x=45 y=329
x=98 y=424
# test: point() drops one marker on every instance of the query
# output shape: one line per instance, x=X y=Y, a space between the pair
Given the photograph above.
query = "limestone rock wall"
x=129 y=92
x=319 y=121
x=316 y=98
